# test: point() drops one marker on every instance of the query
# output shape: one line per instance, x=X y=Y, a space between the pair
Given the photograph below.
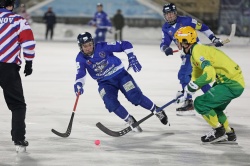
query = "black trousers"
x=11 y=83
x=49 y=28
x=118 y=34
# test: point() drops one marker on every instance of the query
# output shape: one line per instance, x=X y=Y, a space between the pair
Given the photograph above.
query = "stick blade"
x=112 y=133
x=64 y=135
x=233 y=30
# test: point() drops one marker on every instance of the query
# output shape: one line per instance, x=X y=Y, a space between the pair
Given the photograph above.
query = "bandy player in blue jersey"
x=103 y=66
x=173 y=23
x=102 y=24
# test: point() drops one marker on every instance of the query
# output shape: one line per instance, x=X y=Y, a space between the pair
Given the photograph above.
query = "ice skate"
x=162 y=116
x=187 y=109
x=216 y=135
x=132 y=120
x=21 y=146
x=231 y=138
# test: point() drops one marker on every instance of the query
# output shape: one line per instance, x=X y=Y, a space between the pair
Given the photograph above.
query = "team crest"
x=102 y=54
x=170 y=33
x=202 y=58
x=88 y=62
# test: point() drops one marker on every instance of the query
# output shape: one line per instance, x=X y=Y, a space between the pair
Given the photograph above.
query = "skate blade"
x=220 y=139
x=226 y=142
x=20 y=149
x=185 y=113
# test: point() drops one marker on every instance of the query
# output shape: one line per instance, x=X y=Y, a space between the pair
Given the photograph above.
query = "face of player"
x=183 y=45
x=170 y=16
x=88 y=48
x=99 y=8
x=10 y=8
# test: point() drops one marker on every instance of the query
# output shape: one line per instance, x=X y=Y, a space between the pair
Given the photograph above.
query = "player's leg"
x=134 y=94
x=98 y=36
x=116 y=35
x=51 y=31
x=120 y=34
x=184 y=75
x=224 y=121
x=216 y=99
x=109 y=94
x=13 y=94
x=47 y=31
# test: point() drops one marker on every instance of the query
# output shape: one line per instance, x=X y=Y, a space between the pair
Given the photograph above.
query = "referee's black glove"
x=28 y=68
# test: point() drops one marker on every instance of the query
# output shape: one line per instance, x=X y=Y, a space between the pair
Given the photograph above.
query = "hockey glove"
x=28 y=68
x=179 y=94
x=217 y=42
x=168 y=50
x=78 y=88
x=181 y=98
x=191 y=88
x=133 y=62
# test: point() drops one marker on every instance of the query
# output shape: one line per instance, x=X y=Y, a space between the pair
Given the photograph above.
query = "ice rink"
x=50 y=99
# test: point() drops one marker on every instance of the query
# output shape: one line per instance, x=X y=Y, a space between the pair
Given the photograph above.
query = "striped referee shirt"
x=15 y=33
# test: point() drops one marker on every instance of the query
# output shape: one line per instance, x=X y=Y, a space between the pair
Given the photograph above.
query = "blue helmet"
x=84 y=38
x=168 y=8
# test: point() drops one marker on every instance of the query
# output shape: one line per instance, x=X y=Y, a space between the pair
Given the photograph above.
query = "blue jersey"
x=101 y=20
x=103 y=64
x=168 y=31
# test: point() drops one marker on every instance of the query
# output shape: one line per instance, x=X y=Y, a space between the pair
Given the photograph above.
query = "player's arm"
x=93 y=21
x=26 y=39
x=118 y=46
x=206 y=31
x=127 y=47
x=106 y=23
x=27 y=42
x=80 y=77
x=204 y=73
x=165 y=44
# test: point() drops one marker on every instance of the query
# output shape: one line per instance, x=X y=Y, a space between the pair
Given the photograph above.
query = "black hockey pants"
x=10 y=81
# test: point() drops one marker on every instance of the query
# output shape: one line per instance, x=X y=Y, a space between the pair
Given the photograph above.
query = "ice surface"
x=50 y=100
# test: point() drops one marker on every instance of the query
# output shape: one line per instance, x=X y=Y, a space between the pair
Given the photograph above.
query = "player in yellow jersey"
x=211 y=65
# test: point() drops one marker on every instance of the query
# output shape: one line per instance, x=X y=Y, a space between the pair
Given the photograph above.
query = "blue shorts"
x=108 y=90
x=100 y=35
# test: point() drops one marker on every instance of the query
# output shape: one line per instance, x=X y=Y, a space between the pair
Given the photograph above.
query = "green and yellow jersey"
x=211 y=64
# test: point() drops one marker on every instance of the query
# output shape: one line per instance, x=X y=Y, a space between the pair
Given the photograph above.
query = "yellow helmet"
x=186 y=35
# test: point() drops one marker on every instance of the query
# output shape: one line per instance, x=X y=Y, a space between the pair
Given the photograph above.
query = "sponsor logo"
x=102 y=54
